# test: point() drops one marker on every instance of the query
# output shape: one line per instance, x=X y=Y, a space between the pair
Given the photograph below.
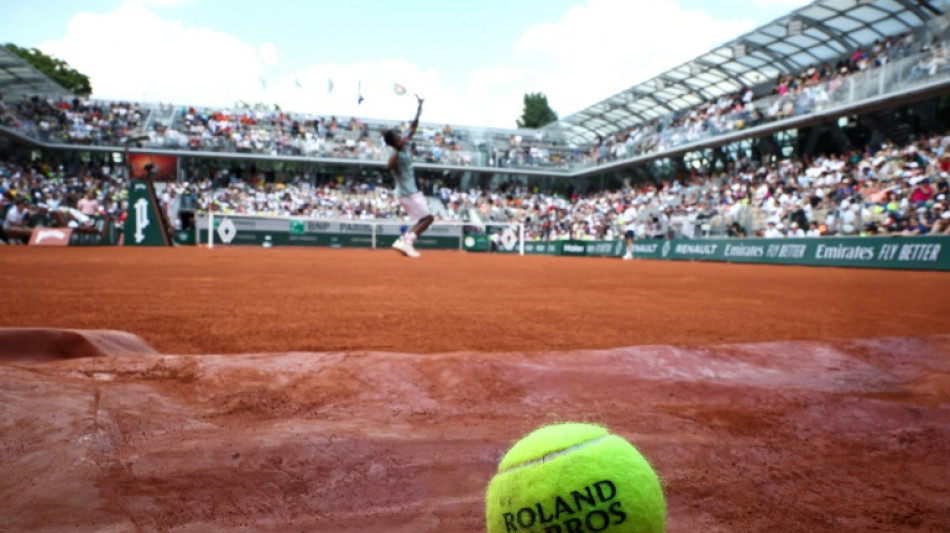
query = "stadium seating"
x=890 y=65
x=894 y=190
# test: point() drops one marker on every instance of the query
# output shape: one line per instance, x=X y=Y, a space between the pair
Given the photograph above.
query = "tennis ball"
x=574 y=478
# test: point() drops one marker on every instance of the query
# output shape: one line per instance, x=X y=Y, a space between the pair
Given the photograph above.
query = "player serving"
x=400 y=165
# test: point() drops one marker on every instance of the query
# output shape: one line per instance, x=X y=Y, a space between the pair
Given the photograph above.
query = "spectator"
x=736 y=230
x=795 y=231
x=772 y=231
x=15 y=223
x=88 y=205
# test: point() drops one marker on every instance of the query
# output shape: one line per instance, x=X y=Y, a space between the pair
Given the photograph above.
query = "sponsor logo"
x=742 y=250
x=50 y=237
x=574 y=248
x=356 y=228
x=666 y=249
x=317 y=227
x=594 y=507
x=469 y=241
x=442 y=230
x=920 y=253
x=600 y=248
x=927 y=253
x=508 y=239
x=792 y=251
x=141 y=219
x=227 y=231
x=541 y=248
x=696 y=249
x=853 y=253
x=645 y=248
x=244 y=223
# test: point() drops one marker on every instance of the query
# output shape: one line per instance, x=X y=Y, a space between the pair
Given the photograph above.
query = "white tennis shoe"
x=405 y=248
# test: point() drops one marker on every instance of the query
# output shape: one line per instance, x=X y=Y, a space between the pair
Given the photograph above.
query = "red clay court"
x=356 y=390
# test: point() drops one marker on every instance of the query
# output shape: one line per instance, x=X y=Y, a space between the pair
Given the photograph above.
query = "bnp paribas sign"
x=143 y=223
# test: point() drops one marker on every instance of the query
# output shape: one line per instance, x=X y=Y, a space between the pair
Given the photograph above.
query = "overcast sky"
x=472 y=61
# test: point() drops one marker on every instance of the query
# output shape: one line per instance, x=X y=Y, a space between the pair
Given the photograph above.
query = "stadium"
x=738 y=265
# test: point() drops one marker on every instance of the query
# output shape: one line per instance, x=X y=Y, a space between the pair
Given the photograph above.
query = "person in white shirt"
x=15 y=230
x=629 y=230
x=795 y=232
x=772 y=231
x=813 y=230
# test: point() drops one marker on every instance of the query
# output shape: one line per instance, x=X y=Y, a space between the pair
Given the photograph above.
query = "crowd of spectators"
x=247 y=130
x=271 y=131
x=71 y=195
x=891 y=190
x=337 y=199
x=75 y=121
x=814 y=89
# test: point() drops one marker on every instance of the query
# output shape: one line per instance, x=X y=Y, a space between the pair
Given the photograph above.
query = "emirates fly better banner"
x=920 y=253
x=911 y=252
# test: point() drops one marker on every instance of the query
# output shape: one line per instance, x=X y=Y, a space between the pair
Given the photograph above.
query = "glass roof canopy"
x=824 y=30
x=19 y=78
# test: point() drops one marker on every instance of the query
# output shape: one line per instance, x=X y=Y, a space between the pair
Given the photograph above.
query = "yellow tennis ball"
x=574 y=478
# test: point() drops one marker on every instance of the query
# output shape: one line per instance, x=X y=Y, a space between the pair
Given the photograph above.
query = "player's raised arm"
x=415 y=121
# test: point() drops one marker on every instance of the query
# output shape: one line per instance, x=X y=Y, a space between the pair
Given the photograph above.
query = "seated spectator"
x=772 y=231
x=88 y=205
x=795 y=232
x=941 y=225
x=922 y=192
x=16 y=229
x=736 y=230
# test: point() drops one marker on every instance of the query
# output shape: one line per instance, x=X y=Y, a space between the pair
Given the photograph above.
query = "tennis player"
x=629 y=230
x=406 y=190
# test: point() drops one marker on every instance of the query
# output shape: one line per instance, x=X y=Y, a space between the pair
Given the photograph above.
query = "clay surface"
x=341 y=390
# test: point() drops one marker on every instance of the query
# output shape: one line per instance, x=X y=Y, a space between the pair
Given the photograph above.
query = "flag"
x=330 y=86
x=263 y=83
x=297 y=83
x=359 y=92
x=399 y=89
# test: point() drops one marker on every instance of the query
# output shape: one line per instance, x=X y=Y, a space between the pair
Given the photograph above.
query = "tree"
x=537 y=112
x=56 y=69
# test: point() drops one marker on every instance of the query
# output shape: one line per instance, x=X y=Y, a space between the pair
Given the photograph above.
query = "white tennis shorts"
x=415 y=205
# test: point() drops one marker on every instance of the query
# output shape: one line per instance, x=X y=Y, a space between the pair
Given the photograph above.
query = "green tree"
x=537 y=112
x=56 y=69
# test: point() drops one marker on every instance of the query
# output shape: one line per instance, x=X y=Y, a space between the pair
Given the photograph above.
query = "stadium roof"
x=17 y=78
x=825 y=30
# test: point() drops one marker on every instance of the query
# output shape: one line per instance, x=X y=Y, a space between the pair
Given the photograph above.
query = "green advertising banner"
x=894 y=252
x=543 y=247
x=901 y=252
x=490 y=237
x=103 y=233
x=260 y=231
x=143 y=225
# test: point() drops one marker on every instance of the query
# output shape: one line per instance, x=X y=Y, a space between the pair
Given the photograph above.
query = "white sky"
x=472 y=67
